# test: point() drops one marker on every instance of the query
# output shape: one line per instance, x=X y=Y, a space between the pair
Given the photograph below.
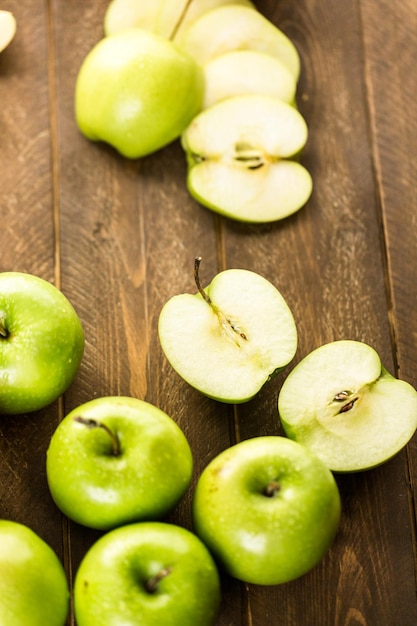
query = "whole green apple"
x=137 y=91
x=41 y=343
x=116 y=460
x=268 y=509
x=343 y=404
x=33 y=584
x=149 y=573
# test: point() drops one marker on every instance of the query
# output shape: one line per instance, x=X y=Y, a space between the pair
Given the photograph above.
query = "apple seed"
x=92 y=423
x=342 y=396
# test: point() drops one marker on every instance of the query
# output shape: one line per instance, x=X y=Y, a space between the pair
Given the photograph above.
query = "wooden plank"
x=27 y=244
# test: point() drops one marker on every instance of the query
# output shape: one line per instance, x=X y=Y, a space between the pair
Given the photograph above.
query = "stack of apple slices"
x=241 y=147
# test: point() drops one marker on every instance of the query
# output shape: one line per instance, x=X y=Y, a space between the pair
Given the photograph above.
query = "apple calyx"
x=272 y=489
x=93 y=423
x=232 y=331
x=151 y=585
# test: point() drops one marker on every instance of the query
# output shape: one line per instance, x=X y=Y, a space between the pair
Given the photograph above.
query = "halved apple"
x=340 y=402
x=243 y=72
x=157 y=16
x=196 y=8
x=7 y=28
x=237 y=27
x=238 y=154
x=228 y=339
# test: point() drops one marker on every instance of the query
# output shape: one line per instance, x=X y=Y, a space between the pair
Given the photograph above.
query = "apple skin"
x=110 y=584
x=261 y=539
x=137 y=91
x=99 y=490
x=41 y=343
x=33 y=584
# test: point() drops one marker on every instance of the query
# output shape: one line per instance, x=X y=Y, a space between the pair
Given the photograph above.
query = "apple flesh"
x=268 y=510
x=243 y=72
x=33 y=584
x=241 y=154
x=237 y=27
x=149 y=573
x=340 y=402
x=137 y=91
x=196 y=8
x=116 y=460
x=41 y=343
x=7 y=28
x=229 y=339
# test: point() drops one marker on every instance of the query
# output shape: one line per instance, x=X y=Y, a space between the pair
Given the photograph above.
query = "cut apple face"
x=228 y=339
x=239 y=165
x=157 y=16
x=340 y=402
x=237 y=27
x=247 y=72
x=7 y=28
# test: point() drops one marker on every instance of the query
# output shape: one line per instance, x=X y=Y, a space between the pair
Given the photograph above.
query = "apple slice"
x=229 y=339
x=157 y=16
x=196 y=8
x=236 y=27
x=340 y=402
x=7 y=28
x=242 y=72
x=237 y=152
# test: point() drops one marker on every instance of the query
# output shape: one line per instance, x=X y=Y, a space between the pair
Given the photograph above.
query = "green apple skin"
x=137 y=91
x=341 y=402
x=111 y=584
x=33 y=585
x=41 y=343
x=229 y=365
x=259 y=538
x=98 y=489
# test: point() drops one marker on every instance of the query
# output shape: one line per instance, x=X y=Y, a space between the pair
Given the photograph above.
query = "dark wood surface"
x=119 y=239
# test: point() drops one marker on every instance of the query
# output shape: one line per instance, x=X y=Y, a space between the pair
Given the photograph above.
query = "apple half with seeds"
x=247 y=71
x=240 y=155
x=341 y=402
x=228 y=339
x=237 y=27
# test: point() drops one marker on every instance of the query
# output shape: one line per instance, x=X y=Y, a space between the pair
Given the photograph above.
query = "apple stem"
x=272 y=489
x=152 y=583
x=92 y=423
x=197 y=262
x=232 y=331
x=3 y=330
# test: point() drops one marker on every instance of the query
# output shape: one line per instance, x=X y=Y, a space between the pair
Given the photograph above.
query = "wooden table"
x=119 y=239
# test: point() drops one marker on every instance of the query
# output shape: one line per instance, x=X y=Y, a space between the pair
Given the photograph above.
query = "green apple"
x=240 y=155
x=33 y=585
x=149 y=573
x=7 y=28
x=41 y=343
x=237 y=27
x=344 y=405
x=137 y=91
x=268 y=510
x=163 y=17
x=157 y=16
x=242 y=72
x=230 y=338
x=116 y=460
